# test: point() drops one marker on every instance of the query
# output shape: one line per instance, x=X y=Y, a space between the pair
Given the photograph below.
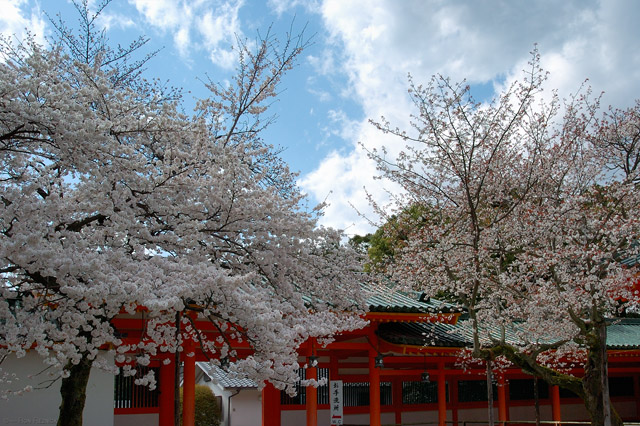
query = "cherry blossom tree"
x=112 y=200
x=529 y=207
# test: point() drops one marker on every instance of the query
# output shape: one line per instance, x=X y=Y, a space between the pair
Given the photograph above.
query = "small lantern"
x=313 y=361
x=425 y=377
x=379 y=361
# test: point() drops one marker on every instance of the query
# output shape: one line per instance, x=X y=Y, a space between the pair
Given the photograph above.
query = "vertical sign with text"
x=335 y=400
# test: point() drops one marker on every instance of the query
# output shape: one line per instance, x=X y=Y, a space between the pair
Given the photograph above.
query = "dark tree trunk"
x=74 y=391
x=595 y=382
x=591 y=388
x=490 y=392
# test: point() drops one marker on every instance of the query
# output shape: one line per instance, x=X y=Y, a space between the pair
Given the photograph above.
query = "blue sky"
x=357 y=66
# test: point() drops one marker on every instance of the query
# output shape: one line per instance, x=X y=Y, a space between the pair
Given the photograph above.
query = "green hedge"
x=207 y=409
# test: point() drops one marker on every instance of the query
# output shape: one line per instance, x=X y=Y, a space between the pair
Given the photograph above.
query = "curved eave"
x=446 y=318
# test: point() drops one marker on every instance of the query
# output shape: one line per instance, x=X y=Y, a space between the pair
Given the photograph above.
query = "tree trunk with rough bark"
x=595 y=381
x=74 y=392
x=490 y=392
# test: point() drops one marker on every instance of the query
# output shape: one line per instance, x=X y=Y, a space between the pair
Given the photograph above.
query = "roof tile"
x=224 y=378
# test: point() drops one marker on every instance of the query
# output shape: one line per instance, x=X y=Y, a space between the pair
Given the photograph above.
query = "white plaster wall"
x=357 y=419
x=626 y=409
x=573 y=412
x=294 y=418
x=246 y=408
x=526 y=412
x=299 y=417
x=387 y=418
x=151 y=419
x=324 y=417
x=476 y=414
x=422 y=416
x=40 y=406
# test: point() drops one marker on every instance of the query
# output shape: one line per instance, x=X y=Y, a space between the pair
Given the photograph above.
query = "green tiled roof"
x=383 y=300
x=627 y=257
x=631 y=261
x=624 y=334
x=621 y=334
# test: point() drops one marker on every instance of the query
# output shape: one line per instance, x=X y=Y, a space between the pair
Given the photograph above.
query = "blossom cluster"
x=527 y=213
x=113 y=200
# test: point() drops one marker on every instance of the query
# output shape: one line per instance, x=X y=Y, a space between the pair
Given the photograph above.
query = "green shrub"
x=207 y=409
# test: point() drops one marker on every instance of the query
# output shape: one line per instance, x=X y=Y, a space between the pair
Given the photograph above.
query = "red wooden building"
x=404 y=367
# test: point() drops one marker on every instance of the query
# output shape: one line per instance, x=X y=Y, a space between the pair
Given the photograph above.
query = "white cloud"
x=15 y=20
x=325 y=64
x=164 y=14
x=321 y=95
x=342 y=126
x=108 y=21
x=174 y=17
x=182 y=40
x=341 y=178
x=381 y=41
x=337 y=180
x=281 y=6
x=219 y=29
x=197 y=25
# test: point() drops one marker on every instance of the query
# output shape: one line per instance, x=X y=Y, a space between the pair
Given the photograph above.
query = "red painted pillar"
x=167 y=381
x=189 y=384
x=271 y=414
x=442 y=396
x=555 y=404
x=312 y=398
x=453 y=402
x=503 y=412
x=374 y=391
x=396 y=386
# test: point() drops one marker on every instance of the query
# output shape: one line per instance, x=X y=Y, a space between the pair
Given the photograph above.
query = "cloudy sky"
x=357 y=65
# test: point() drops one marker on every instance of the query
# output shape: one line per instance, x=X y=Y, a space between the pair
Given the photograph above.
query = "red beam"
x=362 y=346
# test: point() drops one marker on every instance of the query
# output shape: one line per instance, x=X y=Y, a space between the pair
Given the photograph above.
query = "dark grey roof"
x=225 y=379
